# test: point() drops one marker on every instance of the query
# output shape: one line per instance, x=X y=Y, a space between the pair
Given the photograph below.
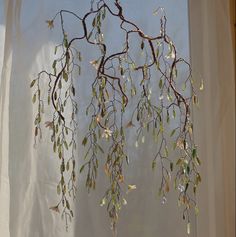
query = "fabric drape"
x=29 y=176
x=212 y=60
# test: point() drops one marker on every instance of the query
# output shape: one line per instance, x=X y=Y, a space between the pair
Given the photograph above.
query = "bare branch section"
x=115 y=84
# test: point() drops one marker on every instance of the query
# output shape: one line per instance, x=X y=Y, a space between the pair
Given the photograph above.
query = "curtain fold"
x=212 y=60
x=4 y=118
x=31 y=175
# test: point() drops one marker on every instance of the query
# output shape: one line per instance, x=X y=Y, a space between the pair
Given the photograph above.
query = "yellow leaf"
x=167 y=187
x=106 y=169
x=121 y=178
x=124 y=202
x=50 y=24
x=188 y=228
x=131 y=187
x=201 y=86
x=103 y=202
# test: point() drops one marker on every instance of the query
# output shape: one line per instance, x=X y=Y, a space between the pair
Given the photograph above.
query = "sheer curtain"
x=212 y=60
x=28 y=176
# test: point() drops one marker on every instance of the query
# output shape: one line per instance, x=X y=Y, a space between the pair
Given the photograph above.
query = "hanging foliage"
x=115 y=84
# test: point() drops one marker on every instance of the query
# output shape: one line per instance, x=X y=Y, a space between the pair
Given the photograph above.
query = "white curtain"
x=28 y=176
x=212 y=60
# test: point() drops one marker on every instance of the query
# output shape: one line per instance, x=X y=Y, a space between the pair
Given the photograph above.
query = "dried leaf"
x=56 y=209
x=50 y=24
x=49 y=124
x=130 y=124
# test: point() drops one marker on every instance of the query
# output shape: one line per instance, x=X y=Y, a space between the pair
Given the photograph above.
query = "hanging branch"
x=112 y=89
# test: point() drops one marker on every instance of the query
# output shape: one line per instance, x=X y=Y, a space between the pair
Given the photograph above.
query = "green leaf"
x=195 y=100
x=55 y=50
x=32 y=83
x=166 y=151
x=157 y=52
x=94 y=22
x=174 y=113
x=122 y=71
x=73 y=90
x=104 y=13
x=175 y=72
x=186 y=187
x=100 y=148
x=49 y=100
x=90 y=34
x=154 y=164
x=127 y=159
x=196 y=210
x=188 y=169
x=173 y=132
x=67 y=205
x=174 y=145
x=198 y=179
x=65 y=76
x=58 y=189
x=160 y=83
x=54 y=146
x=98 y=19
x=62 y=167
x=84 y=142
x=68 y=60
x=34 y=98
x=71 y=213
x=79 y=56
x=59 y=85
x=198 y=161
x=194 y=153
x=142 y=45
x=62 y=180
x=168 y=118
x=67 y=165
x=66 y=145
x=36 y=132
x=82 y=168
x=65 y=42
x=54 y=64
